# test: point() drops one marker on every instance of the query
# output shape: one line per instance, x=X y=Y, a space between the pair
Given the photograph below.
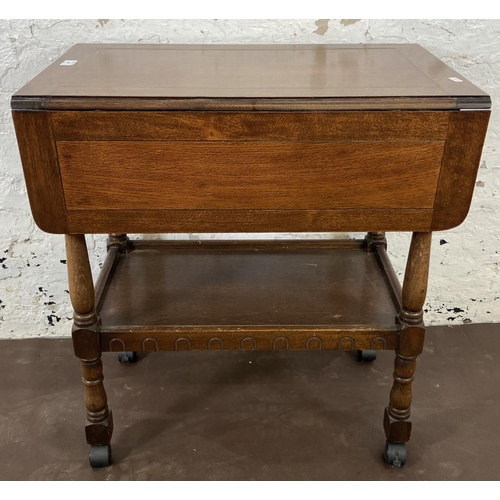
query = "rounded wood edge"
x=248 y=104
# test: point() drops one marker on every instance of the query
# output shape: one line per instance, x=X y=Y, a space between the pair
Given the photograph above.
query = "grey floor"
x=254 y=415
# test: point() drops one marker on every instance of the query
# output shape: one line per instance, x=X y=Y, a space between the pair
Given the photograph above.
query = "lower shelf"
x=162 y=295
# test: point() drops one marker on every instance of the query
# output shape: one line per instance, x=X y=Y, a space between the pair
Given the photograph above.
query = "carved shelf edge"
x=240 y=339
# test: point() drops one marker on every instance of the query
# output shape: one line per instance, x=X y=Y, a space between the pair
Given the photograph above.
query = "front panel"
x=138 y=175
x=221 y=171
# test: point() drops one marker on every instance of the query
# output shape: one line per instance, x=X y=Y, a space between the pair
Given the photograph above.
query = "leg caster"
x=367 y=355
x=395 y=454
x=127 y=357
x=100 y=456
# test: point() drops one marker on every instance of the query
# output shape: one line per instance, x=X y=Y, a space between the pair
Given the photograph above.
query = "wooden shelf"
x=161 y=295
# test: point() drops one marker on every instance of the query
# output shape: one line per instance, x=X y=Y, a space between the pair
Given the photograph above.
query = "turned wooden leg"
x=99 y=427
x=372 y=239
x=121 y=241
x=397 y=422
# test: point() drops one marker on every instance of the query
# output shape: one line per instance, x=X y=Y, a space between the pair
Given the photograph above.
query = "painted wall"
x=465 y=271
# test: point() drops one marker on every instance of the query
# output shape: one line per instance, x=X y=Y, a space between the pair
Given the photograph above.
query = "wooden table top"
x=253 y=77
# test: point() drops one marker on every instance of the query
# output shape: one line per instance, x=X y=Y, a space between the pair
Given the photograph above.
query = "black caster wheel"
x=127 y=357
x=367 y=355
x=395 y=454
x=100 y=456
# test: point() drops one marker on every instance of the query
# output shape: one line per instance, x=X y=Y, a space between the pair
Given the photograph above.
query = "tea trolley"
x=127 y=139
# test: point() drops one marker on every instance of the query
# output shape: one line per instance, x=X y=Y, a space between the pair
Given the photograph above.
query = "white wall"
x=465 y=271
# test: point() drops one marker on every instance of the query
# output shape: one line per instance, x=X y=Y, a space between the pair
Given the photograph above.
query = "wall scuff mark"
x=322 y=25
x=347 y=22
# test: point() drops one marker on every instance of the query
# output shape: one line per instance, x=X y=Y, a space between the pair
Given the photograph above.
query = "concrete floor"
x=253 y=415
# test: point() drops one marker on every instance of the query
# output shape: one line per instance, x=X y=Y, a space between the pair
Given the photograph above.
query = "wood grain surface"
x=41 y=170
x=241 y=72
x=462 y=156
x=234 y=221
x=250 y=126
x=81 y=285
x=233 y=175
